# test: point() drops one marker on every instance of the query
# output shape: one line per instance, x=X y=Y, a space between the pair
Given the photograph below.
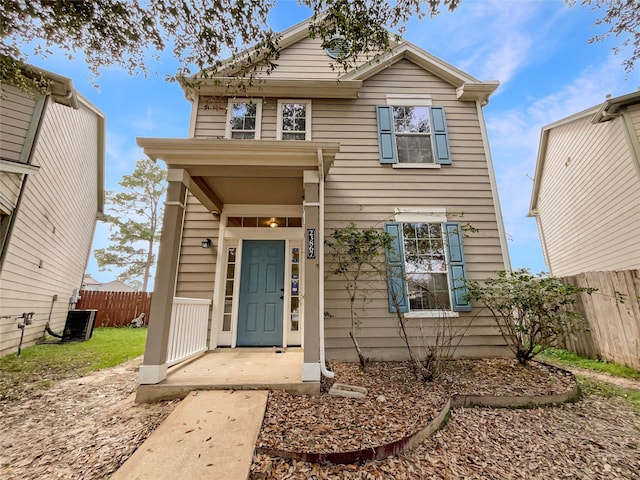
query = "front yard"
x=85 y=428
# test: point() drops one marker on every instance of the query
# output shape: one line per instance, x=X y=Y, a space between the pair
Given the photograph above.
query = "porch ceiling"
x=254 y=172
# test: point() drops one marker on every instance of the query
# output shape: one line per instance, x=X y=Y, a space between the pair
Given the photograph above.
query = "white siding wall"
x=359 y=189
x=589 y=199
x=53 y=228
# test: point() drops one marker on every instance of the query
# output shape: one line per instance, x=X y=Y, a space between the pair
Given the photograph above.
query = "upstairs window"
x=413 y=134
x=294 y=120
x=243 y=119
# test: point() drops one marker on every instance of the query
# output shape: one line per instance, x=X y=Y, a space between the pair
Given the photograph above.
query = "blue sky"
x=537 y=49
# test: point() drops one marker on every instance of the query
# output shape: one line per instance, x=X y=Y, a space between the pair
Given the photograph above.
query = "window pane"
x=293 y=136
x=243 y=120
x=229 y=288
x=425 y=266
x=411 y=119
x=294 y=120
x=243 y=135
x=414 y=149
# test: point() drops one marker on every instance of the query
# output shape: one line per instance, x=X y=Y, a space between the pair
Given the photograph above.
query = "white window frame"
x=400 y=100
x=426 y=215
x=307 y=132
x=257 y=102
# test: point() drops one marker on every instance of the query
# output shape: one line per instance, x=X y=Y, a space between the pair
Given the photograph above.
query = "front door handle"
x=281 y=297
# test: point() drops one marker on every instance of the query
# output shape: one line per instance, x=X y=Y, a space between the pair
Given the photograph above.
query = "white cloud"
x=145 y=123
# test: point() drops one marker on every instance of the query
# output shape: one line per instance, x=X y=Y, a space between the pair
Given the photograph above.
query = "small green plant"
x=532 y=311
x=355 y=255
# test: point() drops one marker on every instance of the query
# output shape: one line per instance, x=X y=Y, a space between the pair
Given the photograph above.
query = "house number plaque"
x=311 y=243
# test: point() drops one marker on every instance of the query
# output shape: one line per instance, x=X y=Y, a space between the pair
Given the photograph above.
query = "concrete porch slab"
x=208 y=435
x=233 y=369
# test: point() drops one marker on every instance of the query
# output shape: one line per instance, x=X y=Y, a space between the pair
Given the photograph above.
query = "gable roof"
x=347 y=84
x=604 y=112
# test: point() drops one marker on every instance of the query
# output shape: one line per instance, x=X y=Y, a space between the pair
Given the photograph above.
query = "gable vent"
x=338 y=47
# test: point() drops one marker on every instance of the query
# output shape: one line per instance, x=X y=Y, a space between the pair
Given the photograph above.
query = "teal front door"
x=261 y=293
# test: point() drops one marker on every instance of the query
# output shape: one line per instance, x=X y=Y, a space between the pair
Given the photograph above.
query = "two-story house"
x=269 y=170
x=51 y=193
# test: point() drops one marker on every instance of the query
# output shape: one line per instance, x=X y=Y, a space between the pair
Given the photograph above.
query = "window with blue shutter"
x=396 y=283
x=412 y=135
x=426 y=267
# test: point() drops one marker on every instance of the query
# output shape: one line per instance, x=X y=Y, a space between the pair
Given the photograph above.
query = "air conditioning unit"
x=79 y=325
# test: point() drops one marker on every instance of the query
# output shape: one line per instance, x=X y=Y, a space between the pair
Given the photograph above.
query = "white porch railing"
x=188 y=330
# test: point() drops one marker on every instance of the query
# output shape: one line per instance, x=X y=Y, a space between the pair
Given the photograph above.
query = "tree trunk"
x=363 y=361
x=147 y=267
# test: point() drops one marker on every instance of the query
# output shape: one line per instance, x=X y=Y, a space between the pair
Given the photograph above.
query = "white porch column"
x=311 y=206
x=154 y=365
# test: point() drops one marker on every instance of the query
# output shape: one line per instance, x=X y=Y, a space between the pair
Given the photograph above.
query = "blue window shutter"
x=439 y=136
x=386 y=135
x=396 y=284
x=457 y=269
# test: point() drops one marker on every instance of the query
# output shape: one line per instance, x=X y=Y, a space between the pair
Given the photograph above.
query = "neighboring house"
x=266 y=175
x=586 y=195
x=91 y=284
x=51 y=191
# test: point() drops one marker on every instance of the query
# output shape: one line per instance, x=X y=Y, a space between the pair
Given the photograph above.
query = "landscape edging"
x=410 y=441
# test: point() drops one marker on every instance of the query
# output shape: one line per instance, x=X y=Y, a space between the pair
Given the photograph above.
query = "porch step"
x=210 y=434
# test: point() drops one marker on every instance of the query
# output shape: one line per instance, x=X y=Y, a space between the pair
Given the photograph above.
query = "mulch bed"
x=396 y=404
x=580 y=440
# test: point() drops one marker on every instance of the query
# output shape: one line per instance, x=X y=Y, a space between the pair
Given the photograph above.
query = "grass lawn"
x=571 y=359
x=40 y=365
x=593 y=387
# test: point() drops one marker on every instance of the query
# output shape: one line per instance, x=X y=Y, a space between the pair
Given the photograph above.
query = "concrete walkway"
x=210 y=434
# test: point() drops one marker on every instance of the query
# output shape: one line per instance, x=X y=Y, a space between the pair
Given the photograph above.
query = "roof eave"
x=610 y=108
x=477 y=92
x=272 y=87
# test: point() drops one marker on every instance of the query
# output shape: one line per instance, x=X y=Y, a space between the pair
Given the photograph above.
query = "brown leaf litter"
x=593 y=438
x=83 y=428
x=86 y=428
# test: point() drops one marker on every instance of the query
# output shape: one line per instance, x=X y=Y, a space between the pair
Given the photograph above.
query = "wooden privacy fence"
x=612 y=314
x=115 y=308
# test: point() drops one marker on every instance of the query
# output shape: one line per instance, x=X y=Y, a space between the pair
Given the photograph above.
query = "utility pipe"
x=323 y=366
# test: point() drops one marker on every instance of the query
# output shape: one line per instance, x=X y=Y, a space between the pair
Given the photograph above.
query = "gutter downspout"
x=323 y=366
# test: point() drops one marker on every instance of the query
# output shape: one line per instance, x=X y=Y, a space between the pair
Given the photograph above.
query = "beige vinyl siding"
x=53 y=228
x=16 y=117
x=589 y=199
x=196 y=270
x=359 y=189
x=308 y=58
x=17 y=124
x=9 y=190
